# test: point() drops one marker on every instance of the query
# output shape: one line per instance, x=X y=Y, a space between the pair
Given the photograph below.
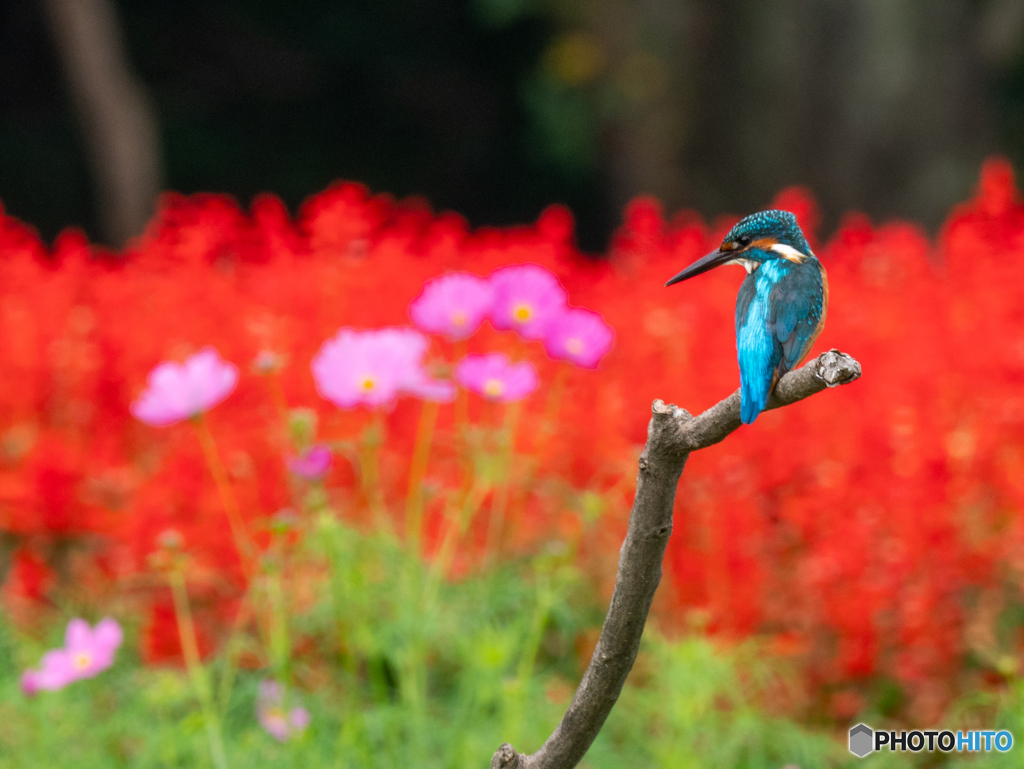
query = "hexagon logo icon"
x=862 y=739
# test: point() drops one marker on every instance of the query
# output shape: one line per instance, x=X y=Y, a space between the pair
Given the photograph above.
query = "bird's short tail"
x=753 y=399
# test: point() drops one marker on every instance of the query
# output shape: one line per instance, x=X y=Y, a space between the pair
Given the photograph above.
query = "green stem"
x=369 y=460
x=227 y=493
x=227 y=681
x=417 y=472
x=413 y=689
x=552 y=407
x=280 y=641
x=279 y=398
x=516 y=703
x=462 y=396
x=457 y=525
x=499 y=504
x=536 y=632
x=197 y=673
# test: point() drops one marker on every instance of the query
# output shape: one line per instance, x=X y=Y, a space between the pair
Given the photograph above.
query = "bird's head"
x=754 y=240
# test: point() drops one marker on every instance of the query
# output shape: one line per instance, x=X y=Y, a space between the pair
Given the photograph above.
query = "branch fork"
x=672 y=434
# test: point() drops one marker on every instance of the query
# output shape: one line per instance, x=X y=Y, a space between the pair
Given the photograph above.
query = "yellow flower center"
x=522 y=313
x=493 y=388
x=367 y=384
x=575 y=346
x=81 y=660
x=459 y=319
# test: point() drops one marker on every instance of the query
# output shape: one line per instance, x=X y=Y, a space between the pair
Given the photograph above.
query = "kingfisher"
x=781 y=306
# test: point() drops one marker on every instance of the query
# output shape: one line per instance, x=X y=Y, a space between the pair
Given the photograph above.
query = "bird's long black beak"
x=705 y=263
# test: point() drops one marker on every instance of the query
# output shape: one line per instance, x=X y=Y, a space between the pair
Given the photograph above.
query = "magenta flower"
x=526 y=299
x=313 y=463
x=579 y=336
x=495 y=378
x=177 y=391
x=370 y=368
x=86 y=653
x=454 y=305
x=279 y=723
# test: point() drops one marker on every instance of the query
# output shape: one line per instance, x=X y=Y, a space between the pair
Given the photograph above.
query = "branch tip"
x=505 y=758
x=837 y=368
x=659 y=407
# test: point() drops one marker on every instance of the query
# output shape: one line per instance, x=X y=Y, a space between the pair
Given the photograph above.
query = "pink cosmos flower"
x=579 y=336
x=313 y=463
x=86 y=653
x=526 y=298
x=495 y=378
x=177 y=391
x=454 y=305
x=279 y=723
x=370 y=368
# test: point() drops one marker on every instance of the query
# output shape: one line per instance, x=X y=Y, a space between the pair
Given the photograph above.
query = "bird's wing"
x=795 y=308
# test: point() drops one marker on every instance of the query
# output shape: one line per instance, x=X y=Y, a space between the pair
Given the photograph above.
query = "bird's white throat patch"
x=748 y=264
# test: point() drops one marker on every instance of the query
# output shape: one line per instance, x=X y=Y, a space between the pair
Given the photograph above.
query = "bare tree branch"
x=671 y=435
x=119 y=124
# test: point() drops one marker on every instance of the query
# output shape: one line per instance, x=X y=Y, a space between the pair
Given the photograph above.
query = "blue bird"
x=781 y=306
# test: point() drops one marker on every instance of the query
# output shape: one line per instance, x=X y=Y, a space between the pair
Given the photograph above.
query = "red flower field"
x=873 y=532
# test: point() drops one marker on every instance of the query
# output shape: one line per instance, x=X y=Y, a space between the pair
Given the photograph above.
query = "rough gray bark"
x=671 y=435
x=118 y=122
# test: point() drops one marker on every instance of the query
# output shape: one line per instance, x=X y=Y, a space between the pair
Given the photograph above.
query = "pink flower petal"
x=271 y=714
x=55 y=671
x=275 y=723
x=371 y=368
x=90 y=651
x=313 y=464
x=579 y=336
x=357 y=368
x=78 y=634
x=29 y=683
x=108 y=634
x=454 y=305
x=527 y=298
x=495 y=378
x=425 y=388
x=178 y=391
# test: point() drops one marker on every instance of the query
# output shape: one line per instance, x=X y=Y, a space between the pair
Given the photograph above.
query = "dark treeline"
x=496 y=108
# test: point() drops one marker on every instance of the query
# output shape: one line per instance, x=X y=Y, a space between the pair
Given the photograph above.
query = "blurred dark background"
x=496 y=108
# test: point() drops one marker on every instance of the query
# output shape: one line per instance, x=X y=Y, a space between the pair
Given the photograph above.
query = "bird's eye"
x=743 y=241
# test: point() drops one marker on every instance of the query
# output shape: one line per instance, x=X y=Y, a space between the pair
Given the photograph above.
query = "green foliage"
x=401 y=667
x=499 y=13
x=565 y=123
x=701 y=707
